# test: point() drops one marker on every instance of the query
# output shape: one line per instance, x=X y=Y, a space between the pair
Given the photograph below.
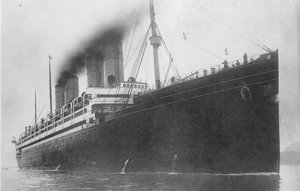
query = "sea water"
x=15 y=179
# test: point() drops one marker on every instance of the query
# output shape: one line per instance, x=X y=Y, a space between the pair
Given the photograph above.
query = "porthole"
x=246 y=93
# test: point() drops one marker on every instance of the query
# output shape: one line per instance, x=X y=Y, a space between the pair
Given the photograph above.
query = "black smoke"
x=72 y=67
x=76 y=62
x=108 y=34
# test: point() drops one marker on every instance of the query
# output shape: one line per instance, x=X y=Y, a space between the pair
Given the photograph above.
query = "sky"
x=33 y=29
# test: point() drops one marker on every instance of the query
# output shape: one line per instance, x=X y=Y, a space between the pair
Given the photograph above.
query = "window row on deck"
x=61 y=115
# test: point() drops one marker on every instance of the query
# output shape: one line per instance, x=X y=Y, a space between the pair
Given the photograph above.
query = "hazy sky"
x=32 y=29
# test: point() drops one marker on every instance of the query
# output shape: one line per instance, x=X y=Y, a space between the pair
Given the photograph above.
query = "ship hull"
x=222 y=123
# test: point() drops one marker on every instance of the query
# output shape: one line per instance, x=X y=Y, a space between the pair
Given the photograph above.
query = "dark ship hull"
x=222 y=123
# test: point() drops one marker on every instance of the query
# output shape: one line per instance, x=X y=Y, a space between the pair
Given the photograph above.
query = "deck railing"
x=211 y=70
x=38 y=129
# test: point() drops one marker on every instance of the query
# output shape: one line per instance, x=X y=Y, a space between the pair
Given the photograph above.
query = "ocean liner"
x=222 y=119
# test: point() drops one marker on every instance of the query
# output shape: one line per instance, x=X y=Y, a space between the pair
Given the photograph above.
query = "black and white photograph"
x=160 y=95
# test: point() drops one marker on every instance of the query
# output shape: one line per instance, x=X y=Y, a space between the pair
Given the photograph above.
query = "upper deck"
x=214 y=74
x=82 y=110
x=223 y=67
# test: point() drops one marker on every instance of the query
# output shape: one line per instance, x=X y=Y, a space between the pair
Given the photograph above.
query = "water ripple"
x=13 y=179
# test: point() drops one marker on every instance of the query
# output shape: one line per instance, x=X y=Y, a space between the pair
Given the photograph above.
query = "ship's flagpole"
x=50 y=86
x=35 y=118
x=155 y=42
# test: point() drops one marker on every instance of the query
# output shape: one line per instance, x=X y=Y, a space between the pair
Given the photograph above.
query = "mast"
x=155 y=42
x=50 y=86
x=35 y=118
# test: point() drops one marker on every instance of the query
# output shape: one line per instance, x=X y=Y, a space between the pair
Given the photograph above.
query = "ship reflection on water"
x=76 y=180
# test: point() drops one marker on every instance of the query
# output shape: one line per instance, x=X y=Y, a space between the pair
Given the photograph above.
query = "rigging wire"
x=168 y=52
x=38 y=116
x=138 y=45
x=135 y=26
x=261 y=45
x=253 y=42
x=130 y=44
x=137 y=63
x=167 y=71
x=133 y=71
x=201 y=48
x=173 y=66
x=126 y=43
x=205 y=50
x=264 y=46
x=141 y=60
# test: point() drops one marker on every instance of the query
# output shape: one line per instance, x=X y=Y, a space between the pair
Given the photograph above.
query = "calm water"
x=14 y=179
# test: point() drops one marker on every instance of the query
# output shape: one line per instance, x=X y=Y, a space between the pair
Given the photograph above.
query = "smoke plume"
x=76 y=61
x=109 y=34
